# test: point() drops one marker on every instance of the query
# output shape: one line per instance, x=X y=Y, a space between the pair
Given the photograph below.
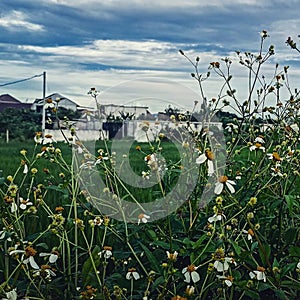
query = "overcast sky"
x=129 y=49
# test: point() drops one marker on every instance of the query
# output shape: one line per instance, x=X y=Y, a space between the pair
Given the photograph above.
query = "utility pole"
x=44 y=102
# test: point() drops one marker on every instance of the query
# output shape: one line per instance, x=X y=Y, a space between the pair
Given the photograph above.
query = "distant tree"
x=21 y=124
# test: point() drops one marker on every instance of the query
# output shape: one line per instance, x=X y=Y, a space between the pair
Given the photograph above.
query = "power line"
x=21 y=80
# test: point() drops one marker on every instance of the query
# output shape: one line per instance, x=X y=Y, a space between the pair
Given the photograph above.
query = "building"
x=123 y=110
x=63 y=102
x=8 y=101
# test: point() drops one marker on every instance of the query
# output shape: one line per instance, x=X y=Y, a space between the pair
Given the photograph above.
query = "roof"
x=8 y=101
x=6 y=98
x=54 y=96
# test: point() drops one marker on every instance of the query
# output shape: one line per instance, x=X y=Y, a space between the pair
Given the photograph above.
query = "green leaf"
x=162 y=244
x=87 y=268
x=199 y=242
x=290 y=200
x=252 y=294
x=237 y=248
x=290 y=235
x=294 y=251
x=153 y=261
x=264 y=253
x=275 y=263
x=254 y=246
x=43 y=245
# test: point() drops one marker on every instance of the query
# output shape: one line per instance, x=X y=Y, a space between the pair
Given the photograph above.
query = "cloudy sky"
x=129 y=49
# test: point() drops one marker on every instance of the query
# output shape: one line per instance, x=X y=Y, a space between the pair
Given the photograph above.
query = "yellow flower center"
x=29 y=251
x=191 y=268
x=261 y=269
x=141 y=216
x=131 y=270
x=276 y=156
x=223 y=179
x=251 y=232
x=257 y=145
x=209 y=155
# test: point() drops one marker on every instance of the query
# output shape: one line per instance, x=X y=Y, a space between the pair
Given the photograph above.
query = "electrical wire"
x=21 y=80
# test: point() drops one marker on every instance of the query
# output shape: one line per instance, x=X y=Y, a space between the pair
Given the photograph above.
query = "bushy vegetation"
x=229 y=224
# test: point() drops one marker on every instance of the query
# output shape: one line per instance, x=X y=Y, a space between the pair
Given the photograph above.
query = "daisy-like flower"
x=172 y=256
x=98 y=221
x=216 y=217
x=38 y=138
x=231 y=127
x=145 y=175
x=106 y=252
x=45 y=271
x=53 y=256
x=29 y=252
x=257 y=146
x=289 y=154
x=298 y=265
x=190 y=273
x=49 y=103
x=11 y=295
x=143 y=218
x=250 y=234
x=152 y=162
x=223 y=264
x=259 y=139
x=24 y=203
x=132 y=274
x=276 y=171
x=209 y=157
x=48 y=139
x=190 y=290
x=275 y=157
x=177 y=297
x=222 y=182
x=227 y=279
x=259 y=274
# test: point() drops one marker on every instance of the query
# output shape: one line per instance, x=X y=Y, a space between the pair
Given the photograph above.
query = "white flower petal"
x=210 y=165
x=187 y=277
x=201 y=159
x=11 y=295
x=23 y=206
x=53 y=258
x=14 y=207
x=195 y=276
x=25 y=171
x=214 y=218
x=42 y=254
x=32 y=262
x=230 y=187
x=225 y=265
x=228 y=282
x=136 y=275
x=2 y=235
x=218 y=188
